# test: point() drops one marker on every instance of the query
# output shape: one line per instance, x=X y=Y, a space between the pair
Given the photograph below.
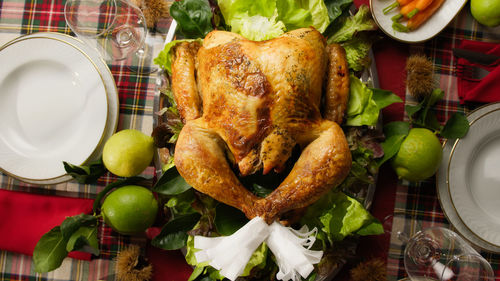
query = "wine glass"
x=439 y=254
x=116 y=28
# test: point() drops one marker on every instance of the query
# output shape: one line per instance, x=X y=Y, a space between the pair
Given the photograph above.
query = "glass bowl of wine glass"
x=439 y=254
x=116 y=28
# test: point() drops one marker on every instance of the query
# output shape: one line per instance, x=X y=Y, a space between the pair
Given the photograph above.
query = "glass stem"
x=403 y=237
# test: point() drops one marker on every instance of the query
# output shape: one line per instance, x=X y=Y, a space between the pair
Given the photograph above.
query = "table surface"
x=403 y=206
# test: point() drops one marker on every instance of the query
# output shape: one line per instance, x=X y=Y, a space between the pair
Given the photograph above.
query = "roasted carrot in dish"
x=411 y=9
x=417 y=12
x=398 y=3
x=420 y=5
x=405 y=10
x=418 y=19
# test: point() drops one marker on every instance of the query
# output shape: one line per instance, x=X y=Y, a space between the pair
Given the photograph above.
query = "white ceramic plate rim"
x=111 y=92
x=444 y=195
x=469 y=207
x=434 y=25
x=82 y=134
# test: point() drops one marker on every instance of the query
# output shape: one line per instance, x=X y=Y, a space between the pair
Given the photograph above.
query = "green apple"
x=128 y=152
x=486 y=12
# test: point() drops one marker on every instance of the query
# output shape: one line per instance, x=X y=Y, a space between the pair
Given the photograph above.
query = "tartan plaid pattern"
x=136 y=94
x=417 y=205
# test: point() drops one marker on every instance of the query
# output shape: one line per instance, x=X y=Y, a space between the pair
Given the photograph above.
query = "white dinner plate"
x=53 y=107
x=474 y=177
x=468 y=180
x=111 y=92
x=435 y=24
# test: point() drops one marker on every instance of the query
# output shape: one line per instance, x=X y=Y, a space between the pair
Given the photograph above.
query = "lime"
x=419 y=156
x=130 y=209
x=128 y=152
x=486 y=12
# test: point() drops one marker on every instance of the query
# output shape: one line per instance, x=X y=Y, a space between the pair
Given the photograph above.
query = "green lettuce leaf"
x=365 y=104
x=298 y=14
x=255 y=20
x=164 y=58
x=369 y=116
x=361 y=21
x=359 y=97
x=353 y=33
x=292 y=14
x=267 y=19
x=337 y=215
x=357 y=50
x=257 y=28
x=361 y=109
x=318 y=10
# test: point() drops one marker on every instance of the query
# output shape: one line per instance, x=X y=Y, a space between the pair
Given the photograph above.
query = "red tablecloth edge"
x=25 y=217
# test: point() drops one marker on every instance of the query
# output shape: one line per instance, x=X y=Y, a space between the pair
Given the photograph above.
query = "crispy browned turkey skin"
x=249 y=104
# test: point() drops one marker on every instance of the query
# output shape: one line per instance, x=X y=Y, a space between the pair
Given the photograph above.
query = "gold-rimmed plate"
x=54 y=108
x=474 y=178
x=474 y=152
x=111 y=92
x=433 y=26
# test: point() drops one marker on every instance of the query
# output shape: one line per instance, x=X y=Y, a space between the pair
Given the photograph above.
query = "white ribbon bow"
x=230 y=254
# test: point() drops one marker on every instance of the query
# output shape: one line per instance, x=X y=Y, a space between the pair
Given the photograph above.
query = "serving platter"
x=107 y=104
x=365 y=195
x=433 y=26
x=468 y=176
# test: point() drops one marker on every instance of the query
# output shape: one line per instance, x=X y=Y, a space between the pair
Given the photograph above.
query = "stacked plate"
x=58 y=102
x=468 y=180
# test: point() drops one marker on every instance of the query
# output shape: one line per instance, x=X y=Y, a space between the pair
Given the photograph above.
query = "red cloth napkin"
x=25 y=217
x=487 y=89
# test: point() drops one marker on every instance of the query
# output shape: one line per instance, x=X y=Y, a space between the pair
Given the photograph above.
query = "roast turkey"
x=247 y=104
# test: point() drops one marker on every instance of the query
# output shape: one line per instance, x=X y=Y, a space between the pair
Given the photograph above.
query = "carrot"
x=422 y=16
x=398 y=3
x=405 y=10
x=411 y=9
x=420 y=5
x=408 y=8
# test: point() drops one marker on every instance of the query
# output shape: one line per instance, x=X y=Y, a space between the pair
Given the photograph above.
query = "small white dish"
x=53 y=107
x=434 y=25
x=443 y=188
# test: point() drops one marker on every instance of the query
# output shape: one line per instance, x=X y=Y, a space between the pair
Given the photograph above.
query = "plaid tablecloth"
x=136 y=93
x=416 y=206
